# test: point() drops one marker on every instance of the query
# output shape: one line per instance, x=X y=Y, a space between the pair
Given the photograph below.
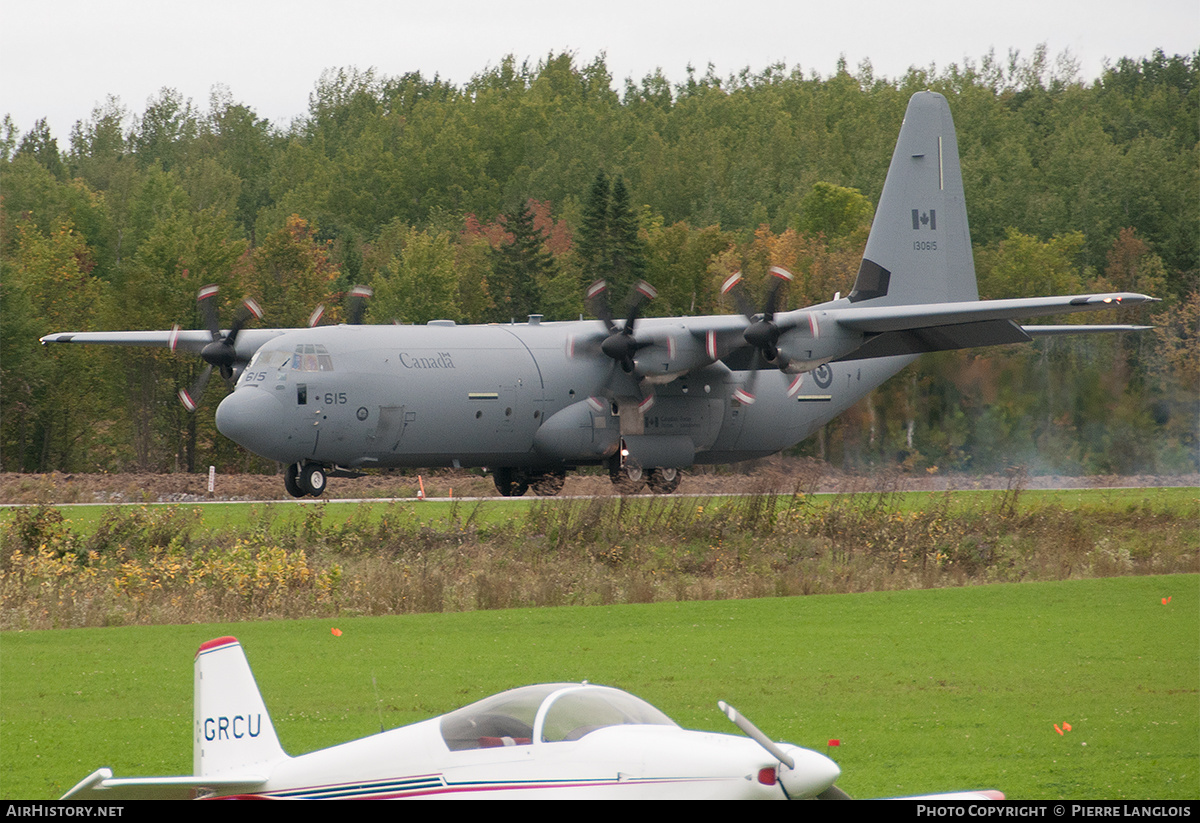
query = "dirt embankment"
x=779 y=475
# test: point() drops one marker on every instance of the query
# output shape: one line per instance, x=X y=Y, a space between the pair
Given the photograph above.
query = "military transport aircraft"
x=644 y=397
x=553 y=741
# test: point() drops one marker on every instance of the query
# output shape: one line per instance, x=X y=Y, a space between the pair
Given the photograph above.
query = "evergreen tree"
x=626 y=249
x=593 y=233
x=522 y=266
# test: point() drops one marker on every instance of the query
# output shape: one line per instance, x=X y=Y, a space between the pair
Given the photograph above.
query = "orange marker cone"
x=1066 y=727
x=1166 y=600
x=336 y=632
x=1057 y=729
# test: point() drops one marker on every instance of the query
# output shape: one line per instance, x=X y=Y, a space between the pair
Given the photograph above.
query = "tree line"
x=507 y=195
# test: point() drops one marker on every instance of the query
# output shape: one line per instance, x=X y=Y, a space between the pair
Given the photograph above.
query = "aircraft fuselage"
x=511 y=395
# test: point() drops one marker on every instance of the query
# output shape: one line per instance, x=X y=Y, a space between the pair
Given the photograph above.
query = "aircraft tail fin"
x=235 y=745
x=233 y=730
x=919 y=249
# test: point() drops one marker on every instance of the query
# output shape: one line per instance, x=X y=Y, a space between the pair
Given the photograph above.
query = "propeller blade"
x=833 y=793
x=735 y=287
x=357 y=305
x=597 y=303
x=208 y=304
x=783 y=277
x=247 y=310
x=751 y=731
x=191 y=397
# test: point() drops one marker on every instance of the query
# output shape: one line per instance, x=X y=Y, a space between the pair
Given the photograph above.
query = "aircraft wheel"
x=510 y=482
x=548 y=484
x=629 y=479
x=312 y=479
x=664 y=481
x=291 y=480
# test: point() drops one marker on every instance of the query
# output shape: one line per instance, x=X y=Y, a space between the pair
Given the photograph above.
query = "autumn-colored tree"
x=290 y=274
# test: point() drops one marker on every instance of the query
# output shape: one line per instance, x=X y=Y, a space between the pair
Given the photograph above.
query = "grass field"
x=85 y=519
x=927 y=690
x=75 y=567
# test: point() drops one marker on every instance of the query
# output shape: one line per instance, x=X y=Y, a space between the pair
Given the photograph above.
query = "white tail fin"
x=919 y=250
x=232 y=728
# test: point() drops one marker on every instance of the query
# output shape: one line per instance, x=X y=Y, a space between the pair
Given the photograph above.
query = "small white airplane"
x=554 y=741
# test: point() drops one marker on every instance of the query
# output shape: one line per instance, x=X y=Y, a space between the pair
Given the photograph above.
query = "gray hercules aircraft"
x=645 y=397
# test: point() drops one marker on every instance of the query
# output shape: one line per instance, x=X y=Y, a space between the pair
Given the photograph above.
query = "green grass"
x=930 y=690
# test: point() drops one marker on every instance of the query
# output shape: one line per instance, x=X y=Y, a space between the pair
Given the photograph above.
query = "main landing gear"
x=632 y=478
x=512 y=482
x=305 y=479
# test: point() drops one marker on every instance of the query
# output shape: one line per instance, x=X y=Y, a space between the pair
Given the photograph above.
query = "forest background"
x=507 y=195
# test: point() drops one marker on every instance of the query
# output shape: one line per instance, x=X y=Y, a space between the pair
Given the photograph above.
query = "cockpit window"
x=266 y=358
x=312 y=357
x=501 y=720
x=570 y=712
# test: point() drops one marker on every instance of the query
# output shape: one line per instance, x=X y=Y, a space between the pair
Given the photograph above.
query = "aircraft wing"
x=919 y=329
x=101 y=785
x=903 y=318
x=192 y=340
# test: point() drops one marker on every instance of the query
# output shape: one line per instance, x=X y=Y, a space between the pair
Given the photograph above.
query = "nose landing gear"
x=305 y=479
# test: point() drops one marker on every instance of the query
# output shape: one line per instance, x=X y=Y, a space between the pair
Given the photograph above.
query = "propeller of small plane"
x=814 y=778
x=763 y=333
x=356 y=307
x=221 y=353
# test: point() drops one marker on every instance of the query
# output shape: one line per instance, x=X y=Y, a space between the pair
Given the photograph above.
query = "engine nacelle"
x=816 y=340
x=671 y=353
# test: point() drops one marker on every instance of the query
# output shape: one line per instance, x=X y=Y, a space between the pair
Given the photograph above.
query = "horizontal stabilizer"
x=101 y=785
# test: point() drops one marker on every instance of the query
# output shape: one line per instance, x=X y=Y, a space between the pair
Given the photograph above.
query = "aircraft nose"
x=814 y=773
x=252 y=417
